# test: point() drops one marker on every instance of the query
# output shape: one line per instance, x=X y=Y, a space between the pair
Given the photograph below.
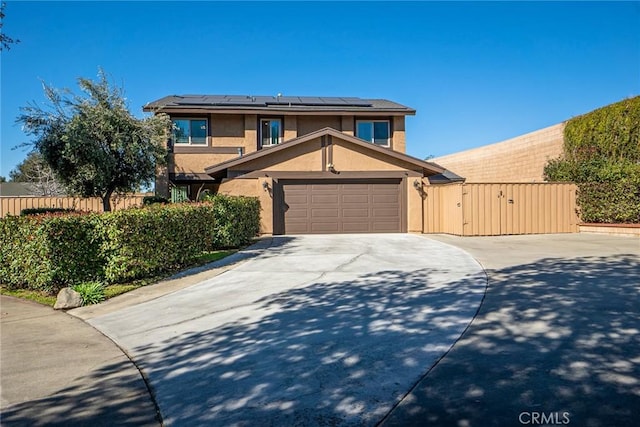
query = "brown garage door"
x=349 y=206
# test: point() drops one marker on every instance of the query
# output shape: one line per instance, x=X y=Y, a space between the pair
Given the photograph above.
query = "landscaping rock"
x=67 y=298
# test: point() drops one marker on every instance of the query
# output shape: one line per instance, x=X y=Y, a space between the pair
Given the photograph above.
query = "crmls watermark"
x=544 y=418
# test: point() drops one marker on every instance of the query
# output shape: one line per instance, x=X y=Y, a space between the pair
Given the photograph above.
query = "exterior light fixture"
x=265 y=185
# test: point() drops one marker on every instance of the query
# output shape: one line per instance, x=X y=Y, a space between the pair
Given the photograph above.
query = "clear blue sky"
x=477 y=73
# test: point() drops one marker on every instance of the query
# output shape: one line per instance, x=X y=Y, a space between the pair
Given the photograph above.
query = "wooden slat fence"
x=13 y=205
x=497 y=209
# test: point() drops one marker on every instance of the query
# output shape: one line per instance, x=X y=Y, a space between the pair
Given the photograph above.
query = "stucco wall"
x=253 y=188
x=303 y=157
x=349 y=157
x=519 y=159
x=308 y=124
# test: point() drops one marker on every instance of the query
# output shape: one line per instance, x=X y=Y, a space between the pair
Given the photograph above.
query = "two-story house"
x=317 y=164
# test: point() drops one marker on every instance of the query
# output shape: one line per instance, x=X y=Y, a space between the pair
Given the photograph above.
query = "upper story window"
x=190 y=131
x=270 y=132
x=375 y=131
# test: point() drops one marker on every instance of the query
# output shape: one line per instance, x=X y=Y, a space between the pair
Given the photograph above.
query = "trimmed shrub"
x=150 y=200
x=38 y=211
x=236 y=219
x=48 y=252
x=143 y=242
x=602 y=156
x=609 y=202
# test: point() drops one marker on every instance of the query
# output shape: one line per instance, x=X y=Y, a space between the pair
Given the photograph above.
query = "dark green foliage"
x=236 y=219
x=93 y=143
x=142 y=242
x=602 y=156
x=150 y=200
x=51 y=251
x=38 y=211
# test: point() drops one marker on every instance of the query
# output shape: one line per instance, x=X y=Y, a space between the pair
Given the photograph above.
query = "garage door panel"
x=317 y=213
x=349 y=206
x=325 y=199
x=355 y=227
x=386 y=198
x=386 y=227
x=355 y=198
x=385 y=213
x=355 y=213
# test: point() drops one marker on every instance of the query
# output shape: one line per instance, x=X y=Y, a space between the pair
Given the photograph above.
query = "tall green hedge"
x=602 y=156
x=48 y=252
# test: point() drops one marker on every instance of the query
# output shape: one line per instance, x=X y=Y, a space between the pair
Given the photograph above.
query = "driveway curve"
x=312 y=330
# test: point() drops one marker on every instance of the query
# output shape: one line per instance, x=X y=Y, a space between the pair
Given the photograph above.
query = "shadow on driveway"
x=556 y=336
x=331 y=353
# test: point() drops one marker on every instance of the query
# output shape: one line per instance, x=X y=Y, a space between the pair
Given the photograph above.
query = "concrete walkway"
x=556 y=342
x=314 y=330
x=57 y=370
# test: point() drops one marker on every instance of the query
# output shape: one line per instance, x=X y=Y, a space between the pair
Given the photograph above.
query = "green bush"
x=48 y=252
x=150 y=200
x=91 y=292
x=602 y=156
x=615 y=202
x=236 y=219
x=51 y=251
x=38 y=211
x=143 y=242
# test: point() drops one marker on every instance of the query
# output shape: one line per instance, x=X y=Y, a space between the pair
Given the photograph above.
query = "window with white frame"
x=375 y=131
x=270 y=132
x=189 y=131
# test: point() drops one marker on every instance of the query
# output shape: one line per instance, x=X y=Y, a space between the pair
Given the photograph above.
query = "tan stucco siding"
x=308 y=124
x=414 y=206
x=349 y=157
x=251 y=133
x=520 y=159
x=195 y=163
x=253 y=188
x=290 y=127
x=227 y=130
x=347 y=125
x=398 y=139
x=303 y=157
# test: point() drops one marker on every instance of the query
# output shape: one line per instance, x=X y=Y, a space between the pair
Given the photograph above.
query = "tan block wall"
x=520 y=159
x=253 y=188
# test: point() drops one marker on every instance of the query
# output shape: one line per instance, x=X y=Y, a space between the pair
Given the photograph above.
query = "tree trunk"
x=106 y=201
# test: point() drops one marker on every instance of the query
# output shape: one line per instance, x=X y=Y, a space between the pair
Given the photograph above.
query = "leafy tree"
x=3 y=179
x=5 y=41
x=41 y=178
x=95 y=146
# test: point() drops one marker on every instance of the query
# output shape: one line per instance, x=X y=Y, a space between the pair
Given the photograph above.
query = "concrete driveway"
x=313 y=330
x=556 y=342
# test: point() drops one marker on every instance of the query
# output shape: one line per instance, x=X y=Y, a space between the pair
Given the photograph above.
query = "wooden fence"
x=498 y=209
x=13 y=205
